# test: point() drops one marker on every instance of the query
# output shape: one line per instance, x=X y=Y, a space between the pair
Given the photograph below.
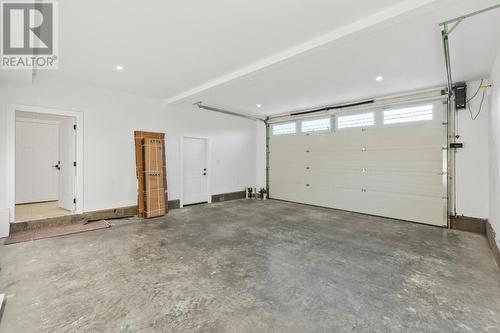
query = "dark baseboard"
x=106 y=214
x=174 y=204
x=228 y=196
x=479 y=226
x=490 y=234
x=113 y=213
x=469 y=224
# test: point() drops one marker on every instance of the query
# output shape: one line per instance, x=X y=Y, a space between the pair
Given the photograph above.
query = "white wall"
x=260 y=159
x=494 y=172
x=110 y=119
x=473 y=160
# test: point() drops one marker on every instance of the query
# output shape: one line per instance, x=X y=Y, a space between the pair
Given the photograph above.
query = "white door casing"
x=11 y=153
x=67 y=156
x=390 y=170
x=37 y=152
x=194 y=170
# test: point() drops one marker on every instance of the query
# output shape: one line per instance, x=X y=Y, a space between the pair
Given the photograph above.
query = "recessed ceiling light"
x=259 y=105
x=119 y=68
x=379 y=78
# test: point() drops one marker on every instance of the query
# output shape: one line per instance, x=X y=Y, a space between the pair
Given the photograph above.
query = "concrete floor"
x=247 y=266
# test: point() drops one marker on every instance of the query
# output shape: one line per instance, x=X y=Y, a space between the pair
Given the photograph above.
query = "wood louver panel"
x=154 y=190
x=151 y=174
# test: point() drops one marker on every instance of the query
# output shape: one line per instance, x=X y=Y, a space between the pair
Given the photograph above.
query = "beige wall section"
x=110 y=119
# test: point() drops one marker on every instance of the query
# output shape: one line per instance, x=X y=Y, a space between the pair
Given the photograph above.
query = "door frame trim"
x=208 y=141
x=11 y=152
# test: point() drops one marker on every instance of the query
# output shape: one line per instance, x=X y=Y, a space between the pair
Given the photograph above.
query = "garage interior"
x=254 y=167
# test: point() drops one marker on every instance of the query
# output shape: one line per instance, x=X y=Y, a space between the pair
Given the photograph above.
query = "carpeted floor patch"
x=31 y=235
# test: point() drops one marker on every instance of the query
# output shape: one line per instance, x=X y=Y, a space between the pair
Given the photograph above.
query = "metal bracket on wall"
x=447 y=28
x=211 y=108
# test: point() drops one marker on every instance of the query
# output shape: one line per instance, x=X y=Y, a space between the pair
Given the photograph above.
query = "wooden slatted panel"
x=140 y=137
x=154 y=191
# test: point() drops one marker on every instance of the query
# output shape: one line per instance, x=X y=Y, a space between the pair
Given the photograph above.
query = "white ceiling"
x=407 y=51
x=171 y=49
x=167 y=47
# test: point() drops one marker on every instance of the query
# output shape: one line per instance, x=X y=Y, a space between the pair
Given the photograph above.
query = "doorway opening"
x=195 y=177
x=45 y=166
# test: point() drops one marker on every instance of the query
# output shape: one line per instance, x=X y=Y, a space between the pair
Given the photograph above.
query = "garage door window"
x=316 y=125
x=356 y=120
x=285 y=128
x=406 y=115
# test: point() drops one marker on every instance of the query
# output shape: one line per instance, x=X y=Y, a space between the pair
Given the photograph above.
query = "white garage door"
x=388 y=162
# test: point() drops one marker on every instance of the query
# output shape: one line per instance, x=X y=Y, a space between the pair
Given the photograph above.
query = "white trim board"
x=11 y=152
x=36 y=121
x=209 y=166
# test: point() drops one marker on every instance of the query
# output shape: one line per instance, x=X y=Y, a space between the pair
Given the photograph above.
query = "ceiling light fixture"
x=379 y=78
x=119 y=68
x=259 y=105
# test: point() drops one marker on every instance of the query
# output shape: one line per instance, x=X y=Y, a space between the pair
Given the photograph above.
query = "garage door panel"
x=404 y=183
x=287 y=174
x=422 y=209
x=288 y=191
x=317 y=196
x=414 y=136
x=388 y=170
x=430 y=162
x=327 y=145
x=377 y=203
x=428 y=158
x=289 y=159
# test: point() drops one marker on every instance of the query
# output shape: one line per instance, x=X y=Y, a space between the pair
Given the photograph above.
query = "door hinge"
x=74 y=164
x=74 y=127
x=74 y=201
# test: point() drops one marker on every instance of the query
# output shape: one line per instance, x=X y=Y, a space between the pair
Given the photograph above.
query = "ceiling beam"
x=346 y=30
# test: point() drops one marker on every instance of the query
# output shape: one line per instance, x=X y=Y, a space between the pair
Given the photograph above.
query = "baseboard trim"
x=469 y=224
x=228 y=196
x=113 y=213
x=491 y=235
x=174 y=204
x=106 y=214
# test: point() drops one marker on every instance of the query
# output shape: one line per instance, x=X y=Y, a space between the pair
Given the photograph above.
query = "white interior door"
x=37 y=154
x=195 y=171
x=67 y=154
x=386 y=162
